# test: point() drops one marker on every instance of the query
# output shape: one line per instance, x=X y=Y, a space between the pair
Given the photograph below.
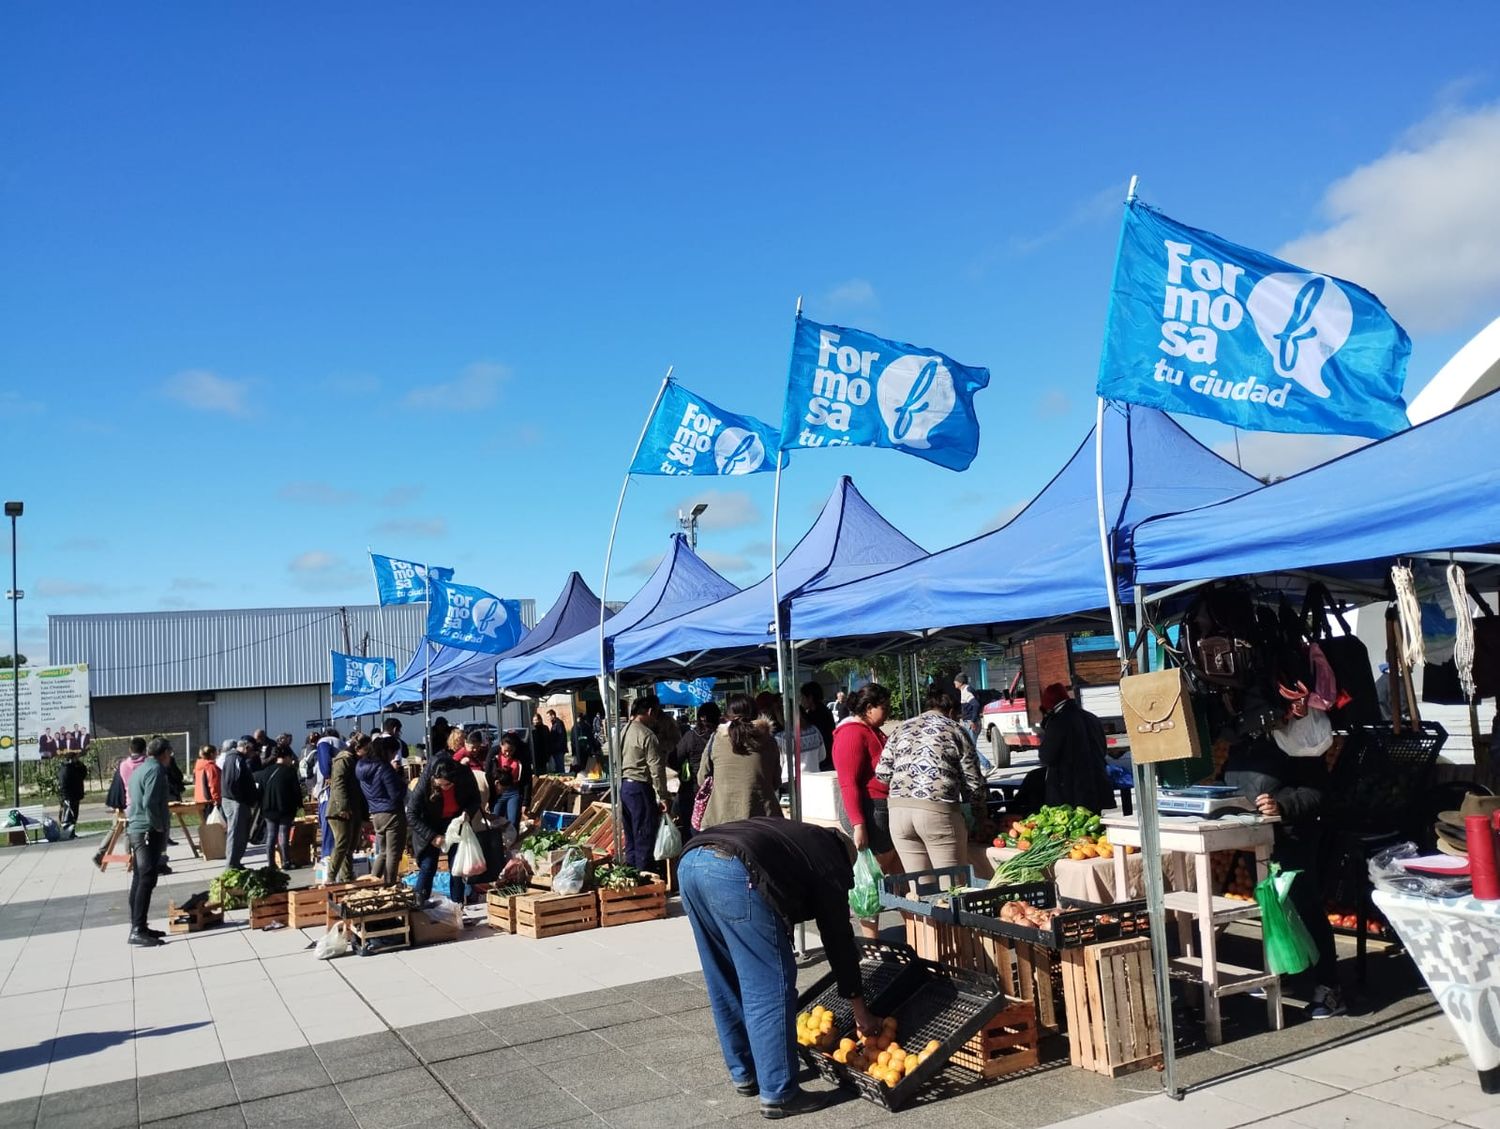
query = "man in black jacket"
x=71 y=772
x=745 y=885
x=1072 y=753
x=238 y=799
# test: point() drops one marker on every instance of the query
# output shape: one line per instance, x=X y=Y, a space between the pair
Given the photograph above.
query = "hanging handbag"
x=1158 y=718
x=1486 y=649
x=705 y=790
x=1347 y=655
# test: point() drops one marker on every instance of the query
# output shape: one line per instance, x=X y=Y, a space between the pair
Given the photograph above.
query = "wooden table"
x=180 y=810
x=1198 y=839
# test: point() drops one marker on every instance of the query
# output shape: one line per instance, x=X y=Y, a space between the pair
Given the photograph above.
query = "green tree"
x=8 y=661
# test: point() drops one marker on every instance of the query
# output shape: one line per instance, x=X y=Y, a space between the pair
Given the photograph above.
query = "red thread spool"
x=1481 y=841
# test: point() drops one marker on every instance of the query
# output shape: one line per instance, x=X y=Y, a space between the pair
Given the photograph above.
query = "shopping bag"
x=572 y=875
x=215 y=818
x=332 y=944
x=700 y=801
x=1289 y=947
x=468 y=861
x=864 y=899
x=668 y=840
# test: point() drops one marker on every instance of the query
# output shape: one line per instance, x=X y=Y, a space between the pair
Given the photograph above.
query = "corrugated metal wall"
x=165 y=652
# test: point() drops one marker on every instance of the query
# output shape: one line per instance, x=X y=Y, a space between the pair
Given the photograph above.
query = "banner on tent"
x=1206 y=327
x=850 y=388
x=689 y=435
x=404 y=582
x=360 y=674
x=470 y=618
x=680 y=693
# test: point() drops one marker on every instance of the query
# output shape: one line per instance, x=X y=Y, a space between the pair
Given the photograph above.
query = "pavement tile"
x=395 y=1084
x=604 y=1067
x=311 y=1107
x=406 y=1109
x=695 y=1073
x=280 y=1072
x=1349 y=1110
x=20 y=1113
x=604 y=1094
x=1445 y=1096
x=623 y=1011
x=584 y=1001
x=679 y=1110
x=531 y=1110
x=565 y=1048
x=364 y=1056
x=484 y=1066
x=518 y=1032
x=456 y=1046
x=441 y=1029
x=230 y=1118
x=189 y=1090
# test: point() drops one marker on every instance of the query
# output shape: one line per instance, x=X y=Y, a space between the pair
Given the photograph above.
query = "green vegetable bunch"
x=1056 y=821
x=610 y=877
x=236 y=887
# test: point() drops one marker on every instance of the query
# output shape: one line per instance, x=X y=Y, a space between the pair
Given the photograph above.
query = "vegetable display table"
x=1456 y=944
x=1087 y=880
x=1198 y=839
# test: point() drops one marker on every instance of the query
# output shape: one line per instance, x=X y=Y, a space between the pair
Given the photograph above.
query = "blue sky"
x=283 y=281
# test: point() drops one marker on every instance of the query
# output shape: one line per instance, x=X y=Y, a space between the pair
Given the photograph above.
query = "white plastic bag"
x=469 y=860
x=215 y=818
x=333 y=943
x=571 y=875
x=668 y=839
x=1308 y=736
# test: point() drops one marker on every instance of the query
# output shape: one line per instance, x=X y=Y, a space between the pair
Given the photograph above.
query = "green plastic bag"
x=864 y=899
x=1289 y=946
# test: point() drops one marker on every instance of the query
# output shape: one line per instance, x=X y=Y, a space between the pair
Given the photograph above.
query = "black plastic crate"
x=930 y=1002
x=926 y=892
x=1080 y=923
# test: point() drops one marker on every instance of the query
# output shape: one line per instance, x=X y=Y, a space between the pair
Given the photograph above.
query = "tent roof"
x=1045 y=562
x=1432 y=488
x=681 y=582
x=849 y=540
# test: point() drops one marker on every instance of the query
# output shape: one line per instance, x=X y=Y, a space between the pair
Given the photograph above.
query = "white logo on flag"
x=915 y=395
x=488 y=615
x=1302 y=320
x=738 y=451
x=375 y=674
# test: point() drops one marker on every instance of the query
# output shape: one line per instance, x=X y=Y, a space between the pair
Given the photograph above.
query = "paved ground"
x=609 y=1027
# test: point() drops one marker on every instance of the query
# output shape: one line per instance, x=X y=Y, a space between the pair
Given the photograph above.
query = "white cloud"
x=414 y=527
x=1095 y=209
x=727 y=509
x=730 y=563
x=1419 y=225
x=398 y=496
x=314 y=560
x=643 y=567
x=207 y=391
x=320 y=571
x=852 y=294
x=1271 y=455
x=316 y=493
x=54 y=588
x=477 y=386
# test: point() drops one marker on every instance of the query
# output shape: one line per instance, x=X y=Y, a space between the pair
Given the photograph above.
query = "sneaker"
x=747 y=1089
x=803 y=1101
x=1326 y=1003
x=154 y=932
x=145 y=940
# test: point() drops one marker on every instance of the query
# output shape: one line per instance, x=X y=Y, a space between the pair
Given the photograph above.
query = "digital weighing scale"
x=1207 y=801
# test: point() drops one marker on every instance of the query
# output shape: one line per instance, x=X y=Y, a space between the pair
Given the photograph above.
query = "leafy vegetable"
x=1032 y=864
x=236 y=887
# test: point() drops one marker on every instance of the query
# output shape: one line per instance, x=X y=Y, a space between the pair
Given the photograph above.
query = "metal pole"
x=15 y=664
x=609 y=686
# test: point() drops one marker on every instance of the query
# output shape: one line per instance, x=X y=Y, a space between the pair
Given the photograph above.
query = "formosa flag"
x=404 y=582
x=461 y=615
x=353 y=675
x=1206 y=327
x=847 y=388
x=688 y=435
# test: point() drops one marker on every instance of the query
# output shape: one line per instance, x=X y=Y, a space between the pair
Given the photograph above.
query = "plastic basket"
x=930 y=1002
x=557 y=820
x=1081 y=923
x=926 y=892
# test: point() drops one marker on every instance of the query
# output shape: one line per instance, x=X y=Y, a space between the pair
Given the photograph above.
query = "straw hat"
x=1474 y=804
x=1450 y=841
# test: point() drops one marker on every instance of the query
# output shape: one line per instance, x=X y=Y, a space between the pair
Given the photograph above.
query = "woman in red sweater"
x=857 y=745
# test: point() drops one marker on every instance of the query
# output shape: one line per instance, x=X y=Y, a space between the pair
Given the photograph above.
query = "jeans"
x=642 y=816
x=145 y=852
x=341 y=858
x=427 y=864
x=325 y=828
x=237 y=817
x=749 y=970
x=390 y=842
x=508 y=805
x=278 y=838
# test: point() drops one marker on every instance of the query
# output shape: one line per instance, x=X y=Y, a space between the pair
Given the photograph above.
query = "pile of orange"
x=881 y=1056
x=815 y=1029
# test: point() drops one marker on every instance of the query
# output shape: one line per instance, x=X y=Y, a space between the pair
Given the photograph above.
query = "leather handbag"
x=1347 y=655
x=705 y=790
x=1159 y=718
x=1486 y=649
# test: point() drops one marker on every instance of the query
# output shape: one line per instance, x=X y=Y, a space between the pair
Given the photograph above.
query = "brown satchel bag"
x=1158 y=720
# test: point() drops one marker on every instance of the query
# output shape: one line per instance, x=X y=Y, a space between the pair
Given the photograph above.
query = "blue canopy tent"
x=681 y=582
x=1434 y=488
x=1044 y=564
x=848 y=541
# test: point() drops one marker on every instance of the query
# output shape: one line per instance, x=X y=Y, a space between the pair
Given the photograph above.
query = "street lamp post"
x=690 y=523
x=14 y=510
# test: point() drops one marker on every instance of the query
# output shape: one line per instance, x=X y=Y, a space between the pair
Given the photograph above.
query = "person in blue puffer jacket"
x=385 y=794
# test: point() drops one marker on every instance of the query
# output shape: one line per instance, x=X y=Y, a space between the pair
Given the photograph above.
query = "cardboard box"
x=211 y=840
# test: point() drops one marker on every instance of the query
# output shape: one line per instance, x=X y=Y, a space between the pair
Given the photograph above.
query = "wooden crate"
x=500 y=911
x=624 y=907
x=1113 y=1026
x=1007 y=1043
x=275 y=909
x=595 y=828
x=310 y=906
x=194 y=917
x=392 y=929
x=551 y=915
x=304 y=842
x=1027 y=972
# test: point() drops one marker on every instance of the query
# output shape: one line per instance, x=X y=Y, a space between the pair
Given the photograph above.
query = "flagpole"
x=427 y=661
x=380 y=704
x=1144 y=774
x=606 y=700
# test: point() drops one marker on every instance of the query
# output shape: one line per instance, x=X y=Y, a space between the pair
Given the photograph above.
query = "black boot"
x=145 y=938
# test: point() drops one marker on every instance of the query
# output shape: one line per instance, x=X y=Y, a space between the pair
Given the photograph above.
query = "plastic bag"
x=572 y=874
x=333 y=943
x=864 y=899
x=1307 y=736
x=668 y=839
x=1289 y=947
x=468 y=861
x=215 y=818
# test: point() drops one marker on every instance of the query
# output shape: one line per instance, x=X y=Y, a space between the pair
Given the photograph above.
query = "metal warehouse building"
x=221 y=674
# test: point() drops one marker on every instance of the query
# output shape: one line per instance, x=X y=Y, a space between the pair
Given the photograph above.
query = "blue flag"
x=464 y=616
x=360 y=674
x=1206 y=327
x=847 y=388
x=693 y=693
x=404 y=582
x=688 y=435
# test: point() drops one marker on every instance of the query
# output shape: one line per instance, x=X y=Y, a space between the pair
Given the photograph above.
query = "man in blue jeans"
x=744 y=886
x=146 y=833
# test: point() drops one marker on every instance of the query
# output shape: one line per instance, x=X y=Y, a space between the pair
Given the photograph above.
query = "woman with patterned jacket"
x=931 y=769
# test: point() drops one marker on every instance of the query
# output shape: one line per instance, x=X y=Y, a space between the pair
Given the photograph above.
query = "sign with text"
x=54 y=709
